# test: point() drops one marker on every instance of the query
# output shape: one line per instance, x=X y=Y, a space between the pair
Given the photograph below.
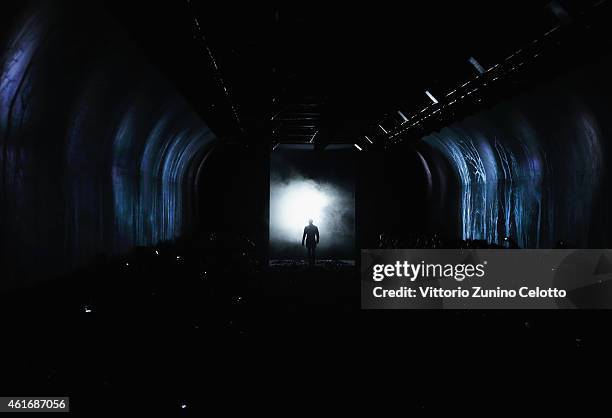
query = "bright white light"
x=369 y=140
x=299 y=203
x=357 y=146
x=292 y=204
x=433 y=99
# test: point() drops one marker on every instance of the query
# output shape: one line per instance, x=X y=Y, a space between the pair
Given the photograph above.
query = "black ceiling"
x=336 y=70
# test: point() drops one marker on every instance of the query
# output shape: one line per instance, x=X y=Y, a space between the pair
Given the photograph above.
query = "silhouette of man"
x=311 y=235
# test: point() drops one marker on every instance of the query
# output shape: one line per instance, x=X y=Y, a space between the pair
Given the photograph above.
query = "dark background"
x=94 y=307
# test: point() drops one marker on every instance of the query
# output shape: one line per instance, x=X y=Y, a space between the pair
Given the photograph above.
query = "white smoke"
x=294 y=201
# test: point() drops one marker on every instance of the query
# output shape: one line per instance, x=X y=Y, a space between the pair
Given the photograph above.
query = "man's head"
x=310 y=222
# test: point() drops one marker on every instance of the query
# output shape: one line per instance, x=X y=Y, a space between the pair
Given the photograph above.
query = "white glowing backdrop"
x=304 y=186
x=294 y=203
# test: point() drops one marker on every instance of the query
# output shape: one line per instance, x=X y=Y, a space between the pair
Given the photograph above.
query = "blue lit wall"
x=533 y=168
x=98 y=152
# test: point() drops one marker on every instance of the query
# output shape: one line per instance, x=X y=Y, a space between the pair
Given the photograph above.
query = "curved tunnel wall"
x=532 y=168
x=98 y=151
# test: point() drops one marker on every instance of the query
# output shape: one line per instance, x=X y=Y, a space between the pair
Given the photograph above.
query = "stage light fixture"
x=433 y=99
x=476 y=65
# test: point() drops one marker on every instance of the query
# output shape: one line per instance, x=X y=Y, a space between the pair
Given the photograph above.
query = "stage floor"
x=326 y=265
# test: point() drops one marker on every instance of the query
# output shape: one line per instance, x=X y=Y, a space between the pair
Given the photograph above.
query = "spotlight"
x=476 y=65
x=433 y=99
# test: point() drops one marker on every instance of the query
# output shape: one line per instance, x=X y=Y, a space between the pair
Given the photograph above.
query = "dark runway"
x=179 y=328
x=320 y=265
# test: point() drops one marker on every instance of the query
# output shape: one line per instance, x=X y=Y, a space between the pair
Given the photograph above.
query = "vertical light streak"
x=500 y=186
